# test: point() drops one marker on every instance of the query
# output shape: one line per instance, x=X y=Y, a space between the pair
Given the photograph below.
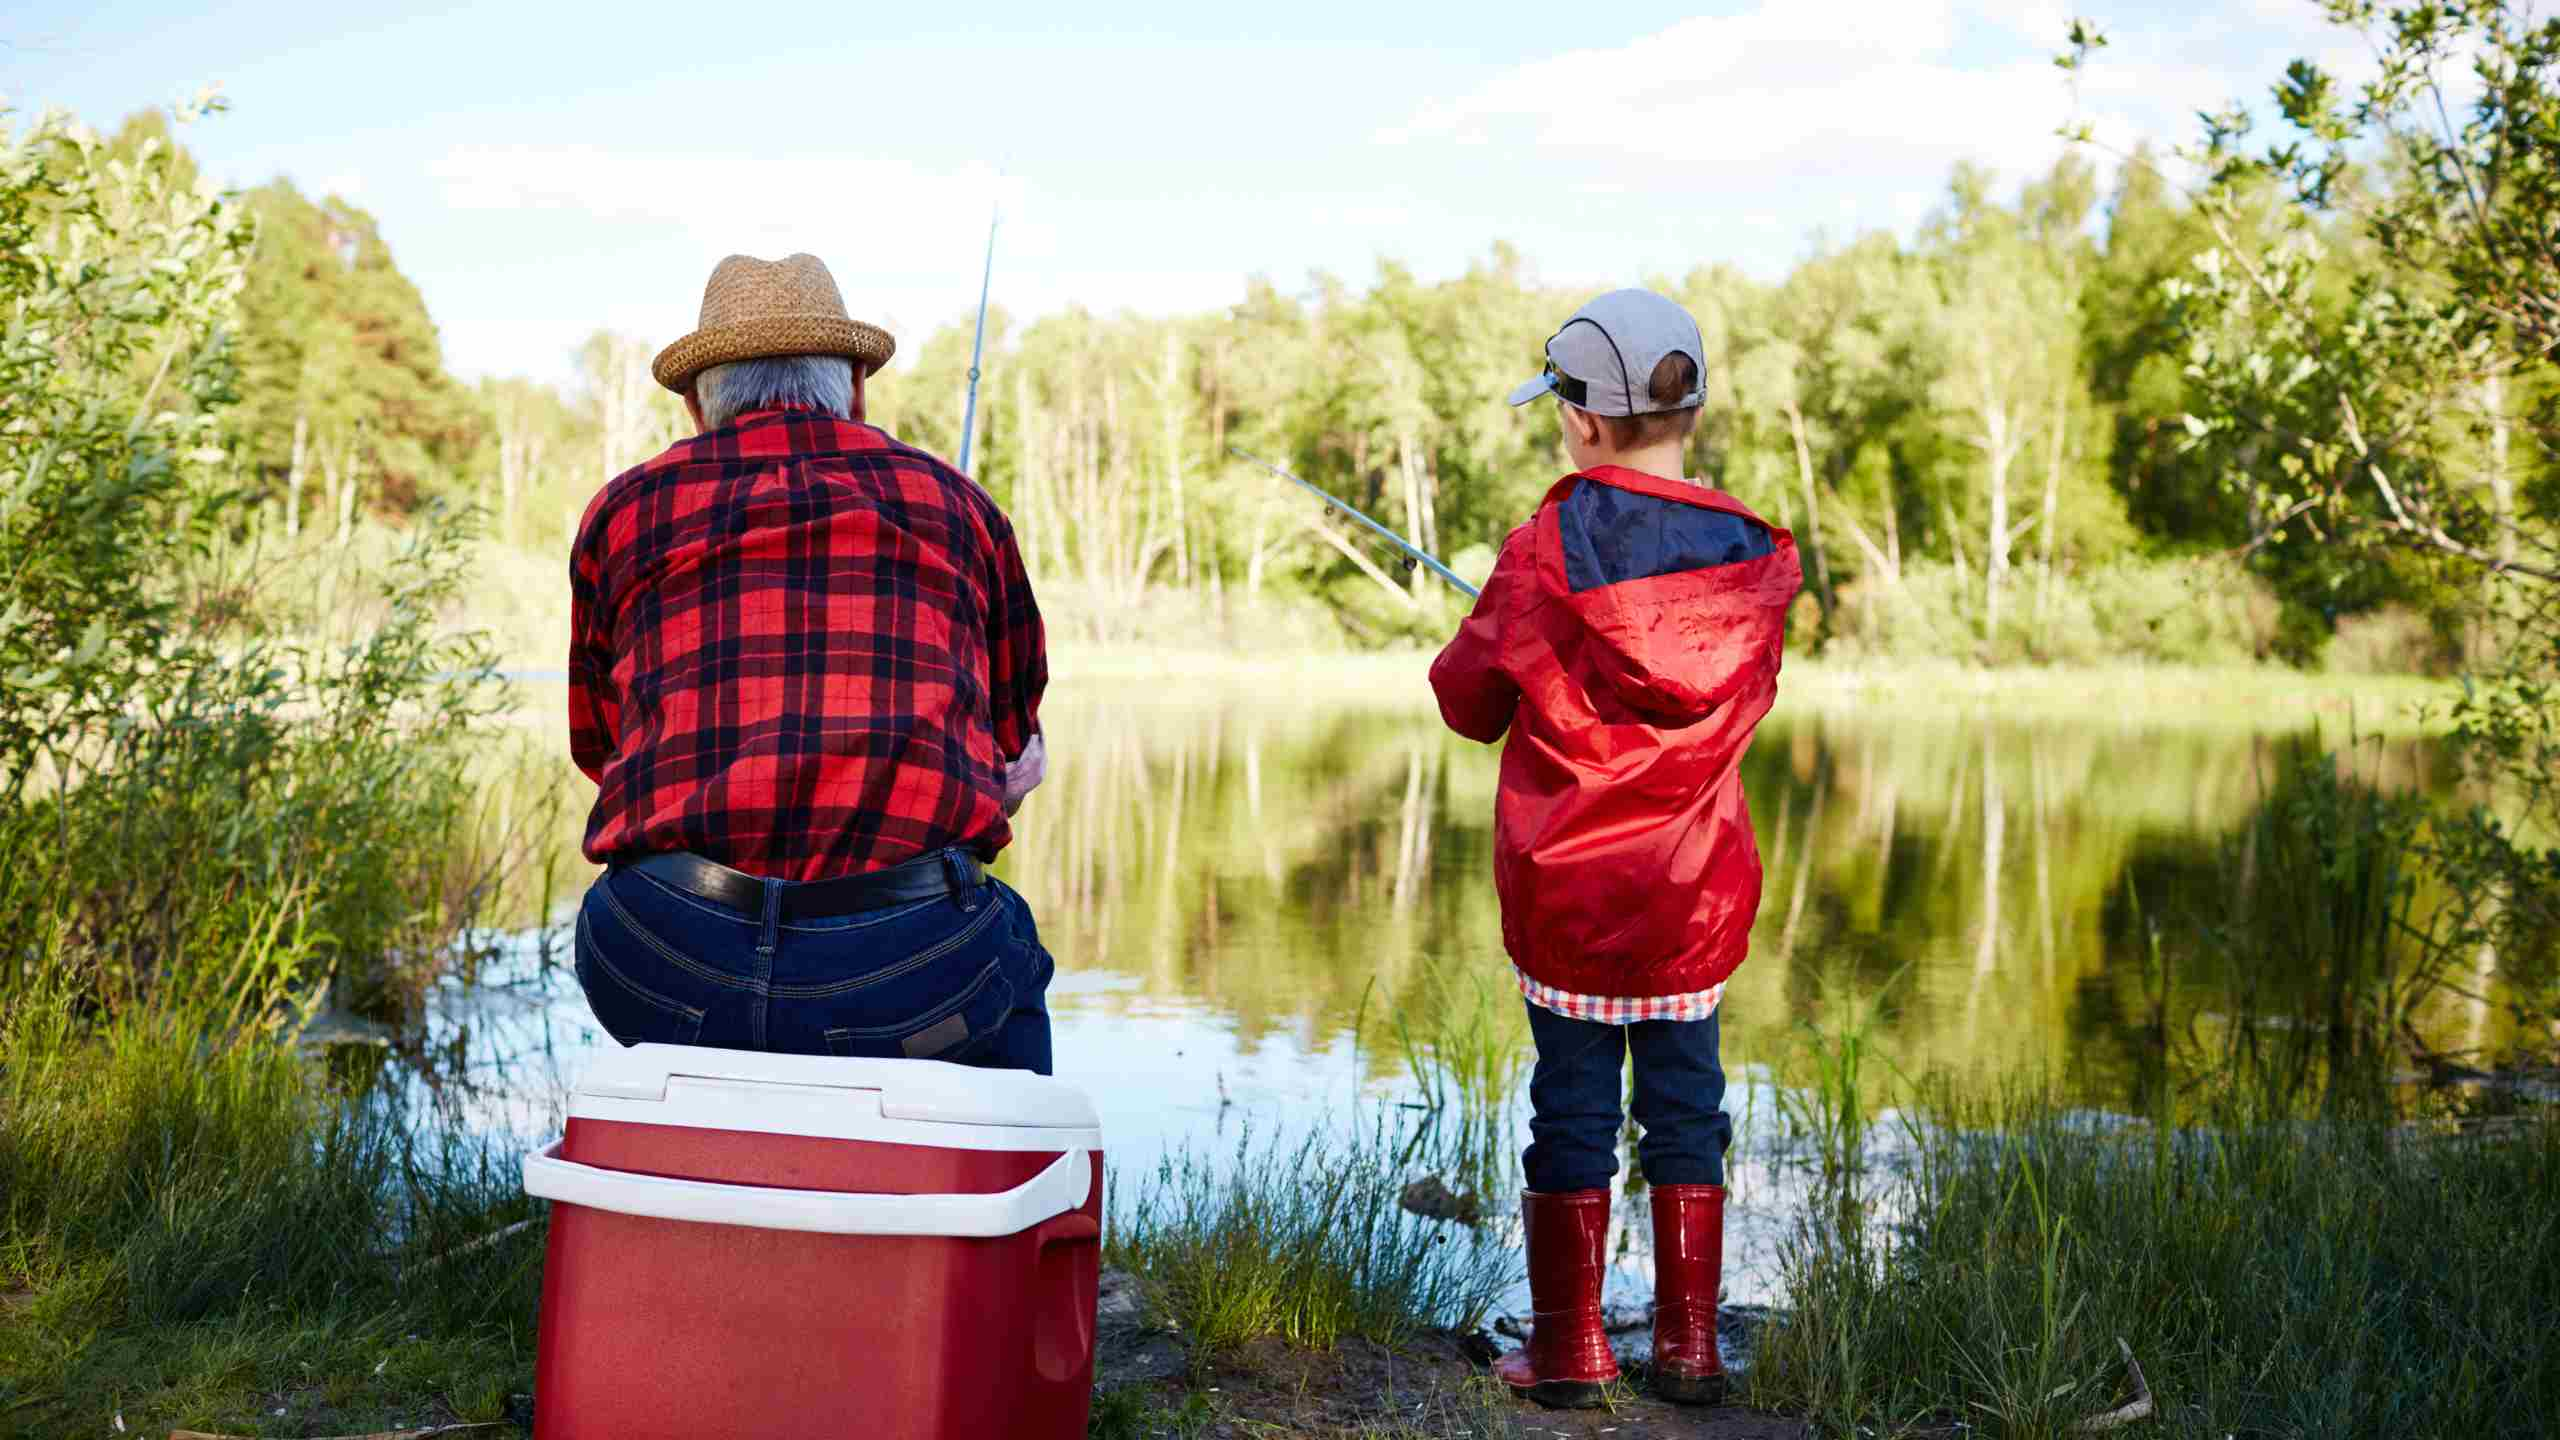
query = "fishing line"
x=1413 y=552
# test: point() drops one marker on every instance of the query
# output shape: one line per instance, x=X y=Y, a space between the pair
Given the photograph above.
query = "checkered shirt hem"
x=1620 y=1009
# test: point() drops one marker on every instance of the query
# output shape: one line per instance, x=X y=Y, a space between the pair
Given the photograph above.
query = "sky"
x=541 y=170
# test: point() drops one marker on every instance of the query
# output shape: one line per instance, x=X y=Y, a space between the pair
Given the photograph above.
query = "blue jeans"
x=957 y=977
x=1573 y=1102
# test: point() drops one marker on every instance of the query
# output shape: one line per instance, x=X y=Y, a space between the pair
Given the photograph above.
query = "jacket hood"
x=1681 y=591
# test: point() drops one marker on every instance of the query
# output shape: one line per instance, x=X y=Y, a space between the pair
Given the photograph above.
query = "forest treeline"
x=1987 y=436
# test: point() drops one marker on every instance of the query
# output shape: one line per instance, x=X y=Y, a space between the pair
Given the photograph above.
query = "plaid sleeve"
x=1017 y=645
x=595 y=709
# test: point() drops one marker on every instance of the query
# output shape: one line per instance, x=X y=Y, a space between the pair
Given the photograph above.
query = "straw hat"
x=754 y=307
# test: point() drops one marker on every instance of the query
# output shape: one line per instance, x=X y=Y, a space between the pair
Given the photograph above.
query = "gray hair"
x=807 y=382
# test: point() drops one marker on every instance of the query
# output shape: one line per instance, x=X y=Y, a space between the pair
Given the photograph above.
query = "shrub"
x=180 y=785
x=2166 y=612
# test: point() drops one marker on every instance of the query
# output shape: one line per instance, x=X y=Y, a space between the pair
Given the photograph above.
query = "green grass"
x=2272 y=1276
x=1833 y=1080
x=1303 y=1242
x=201 y=1234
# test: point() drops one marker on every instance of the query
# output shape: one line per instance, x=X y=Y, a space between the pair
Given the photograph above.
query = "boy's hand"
x=1024 y=773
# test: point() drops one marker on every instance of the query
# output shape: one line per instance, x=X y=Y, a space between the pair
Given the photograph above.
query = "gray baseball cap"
x=1602 y=360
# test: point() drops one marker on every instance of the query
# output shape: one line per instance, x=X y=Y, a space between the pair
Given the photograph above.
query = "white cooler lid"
x=916 y=1102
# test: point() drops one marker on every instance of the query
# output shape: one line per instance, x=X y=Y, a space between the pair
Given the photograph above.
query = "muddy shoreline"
x=1436 y=1384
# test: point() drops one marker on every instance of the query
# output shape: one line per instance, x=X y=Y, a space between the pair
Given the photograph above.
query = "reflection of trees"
x=1272 y=859
x=1994 y=861
x=1279 y=859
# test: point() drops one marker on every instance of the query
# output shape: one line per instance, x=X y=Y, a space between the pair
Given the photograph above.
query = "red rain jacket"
x=1629 y=641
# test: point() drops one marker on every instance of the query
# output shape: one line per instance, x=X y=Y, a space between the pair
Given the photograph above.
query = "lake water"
x=1266 y=912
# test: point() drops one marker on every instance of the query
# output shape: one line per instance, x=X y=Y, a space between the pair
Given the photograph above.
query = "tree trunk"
x=1822 y=593
x=2052 y=497
x=510 y=467
x=517 y=448
x=329 y=482
x=1892 y=525
x=1218 y=402
x=293 y=476
x=1366 y=566
x=1430 y=537
x=1170 y=386
x=1026 y=472
x=2000 y=450
x=2502 y=483
x=1411 y=474
x=1080 y=480
x=347 y=500
x=1118 y=541
x=532 y=481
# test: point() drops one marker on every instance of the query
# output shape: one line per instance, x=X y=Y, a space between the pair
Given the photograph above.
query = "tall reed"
x=2336 y=1278
x=195 y=1221
x=1305 y=1242
x=2323 y=926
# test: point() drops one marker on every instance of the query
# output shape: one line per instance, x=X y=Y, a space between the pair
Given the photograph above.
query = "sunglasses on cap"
x=1568 y=389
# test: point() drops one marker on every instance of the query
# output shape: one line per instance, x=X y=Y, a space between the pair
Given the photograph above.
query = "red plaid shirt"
x=801 y=649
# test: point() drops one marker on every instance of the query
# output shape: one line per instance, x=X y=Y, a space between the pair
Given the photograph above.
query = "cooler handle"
x=1056 y=1190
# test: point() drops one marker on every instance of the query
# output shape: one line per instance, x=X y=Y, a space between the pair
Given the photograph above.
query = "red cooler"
x=789 y=1245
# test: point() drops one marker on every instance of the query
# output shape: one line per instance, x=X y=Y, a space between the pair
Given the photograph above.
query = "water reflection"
x=2000 y=884
x=1268 y=913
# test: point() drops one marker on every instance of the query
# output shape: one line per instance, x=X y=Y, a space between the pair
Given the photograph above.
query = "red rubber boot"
x=1566 y=1358
x=1688 y=1270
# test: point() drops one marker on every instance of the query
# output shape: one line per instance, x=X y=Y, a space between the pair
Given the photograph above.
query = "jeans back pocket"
x=939 y=1029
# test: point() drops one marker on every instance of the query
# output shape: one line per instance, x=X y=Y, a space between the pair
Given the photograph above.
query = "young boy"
x=1628 y=640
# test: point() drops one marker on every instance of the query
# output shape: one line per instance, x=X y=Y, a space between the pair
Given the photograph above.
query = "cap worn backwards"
x=1602 y=359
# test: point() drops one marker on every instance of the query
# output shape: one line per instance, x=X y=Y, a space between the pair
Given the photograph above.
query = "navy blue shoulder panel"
x=1612 y=535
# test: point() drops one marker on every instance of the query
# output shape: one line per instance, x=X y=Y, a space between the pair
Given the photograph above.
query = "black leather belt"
x=948 y=872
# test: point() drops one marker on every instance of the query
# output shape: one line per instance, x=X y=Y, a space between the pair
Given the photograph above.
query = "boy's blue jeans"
x=1574 y=1111
x=960 y=978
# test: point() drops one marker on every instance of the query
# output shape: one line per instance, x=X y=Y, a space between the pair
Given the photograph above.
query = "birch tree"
x=2005 y=331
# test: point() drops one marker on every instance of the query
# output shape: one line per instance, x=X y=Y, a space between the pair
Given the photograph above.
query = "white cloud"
x=1874 y=102
x=1781 y=93
x=2037 y=22
x=1729 y=138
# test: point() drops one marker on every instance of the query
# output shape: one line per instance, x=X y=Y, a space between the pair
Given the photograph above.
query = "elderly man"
x=805 y=671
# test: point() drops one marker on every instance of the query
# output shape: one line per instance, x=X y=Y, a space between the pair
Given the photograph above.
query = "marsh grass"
x=2273 y=1277
x=1304 y=1242
x=1468 y=1060
x=2325 y=896
x=1835 y=1080
x=300 y=806
x=200 y=1232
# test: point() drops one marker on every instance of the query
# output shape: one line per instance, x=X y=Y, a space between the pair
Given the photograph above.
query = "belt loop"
x=957 y=877
x=772 y=921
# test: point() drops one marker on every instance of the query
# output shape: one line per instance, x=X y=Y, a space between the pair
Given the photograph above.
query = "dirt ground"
x=1437 y=1386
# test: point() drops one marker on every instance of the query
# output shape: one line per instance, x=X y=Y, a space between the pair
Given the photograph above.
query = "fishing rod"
x=978 y=347
x=1331 y=504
